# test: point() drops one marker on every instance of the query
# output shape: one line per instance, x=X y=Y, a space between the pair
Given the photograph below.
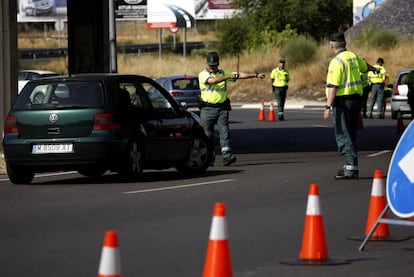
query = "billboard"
x=170 y=14
x=362 y=8
x=41 y=10
x=130 y=9
x=219 y=4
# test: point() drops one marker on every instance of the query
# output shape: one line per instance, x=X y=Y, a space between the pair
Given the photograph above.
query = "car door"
x=168 y=129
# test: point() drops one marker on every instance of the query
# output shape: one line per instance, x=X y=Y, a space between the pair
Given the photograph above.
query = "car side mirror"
x=183 y=105
x=403 y=90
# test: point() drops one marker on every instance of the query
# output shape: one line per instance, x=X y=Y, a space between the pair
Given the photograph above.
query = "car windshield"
x=60 y=95
x=185 y=84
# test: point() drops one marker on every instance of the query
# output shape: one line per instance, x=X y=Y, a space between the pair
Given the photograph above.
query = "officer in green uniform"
x=215 y=106
x=343 y=93
x=378 y=80
x=280 y=78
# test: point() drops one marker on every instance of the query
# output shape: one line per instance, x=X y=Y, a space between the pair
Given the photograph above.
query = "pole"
x=113 y=67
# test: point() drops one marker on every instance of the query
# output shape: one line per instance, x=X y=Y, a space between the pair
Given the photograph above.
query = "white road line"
x=379 y=153
x=180 y=187
x=46 y=175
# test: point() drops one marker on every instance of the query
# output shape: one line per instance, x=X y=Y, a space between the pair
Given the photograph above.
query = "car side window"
x=158 y=100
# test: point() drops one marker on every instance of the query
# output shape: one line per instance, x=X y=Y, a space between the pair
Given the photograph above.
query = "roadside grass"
x=309 y=76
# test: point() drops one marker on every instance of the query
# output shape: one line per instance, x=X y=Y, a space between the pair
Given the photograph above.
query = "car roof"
x=37 y=71
x=88 y=76
x=404 y=70
x=178 y=76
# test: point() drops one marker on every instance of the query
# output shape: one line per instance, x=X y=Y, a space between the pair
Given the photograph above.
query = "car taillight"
x=11 y=125
x=104 y=121
x=175 y=93
x=395 y=91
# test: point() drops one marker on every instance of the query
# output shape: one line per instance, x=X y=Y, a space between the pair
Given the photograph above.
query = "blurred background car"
x=25 y=76
x=399 y=99
x=93 y=123
x=183 y=88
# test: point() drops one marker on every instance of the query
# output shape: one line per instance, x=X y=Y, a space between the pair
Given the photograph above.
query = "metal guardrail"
x=34 y=53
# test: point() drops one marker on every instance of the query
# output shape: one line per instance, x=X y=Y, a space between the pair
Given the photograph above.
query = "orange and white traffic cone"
x=272 y=116
x=400 y=125
x=376 y=206
x=218 y=260
x=314 y=247
x=262 y=112
x=110 y=263
x=360 y=122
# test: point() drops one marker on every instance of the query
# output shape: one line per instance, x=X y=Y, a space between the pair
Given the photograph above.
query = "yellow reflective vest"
x=213 y=93
x=344 y=73
x=280 y=77
x=377 y=78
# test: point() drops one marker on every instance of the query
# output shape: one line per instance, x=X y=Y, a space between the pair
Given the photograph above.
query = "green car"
x=97 y=122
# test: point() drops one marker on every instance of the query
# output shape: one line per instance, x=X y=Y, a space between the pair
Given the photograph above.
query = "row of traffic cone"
x=314 y=249
x=271 y=115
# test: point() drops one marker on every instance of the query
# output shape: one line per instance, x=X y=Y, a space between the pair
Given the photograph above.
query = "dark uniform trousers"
x=346 y=111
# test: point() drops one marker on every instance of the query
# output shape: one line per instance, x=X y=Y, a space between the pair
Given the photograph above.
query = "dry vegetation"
x=307 y=81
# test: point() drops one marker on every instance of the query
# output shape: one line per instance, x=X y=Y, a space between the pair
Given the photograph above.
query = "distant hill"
x=396 y=15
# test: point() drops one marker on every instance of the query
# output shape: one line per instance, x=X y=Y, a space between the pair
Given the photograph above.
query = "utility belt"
x=340 y=100
x=226 y=105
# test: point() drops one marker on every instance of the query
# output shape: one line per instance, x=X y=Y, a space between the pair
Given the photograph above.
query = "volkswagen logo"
x=53 y=118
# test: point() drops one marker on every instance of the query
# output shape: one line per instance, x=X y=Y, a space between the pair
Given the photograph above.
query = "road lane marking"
x=46 y=175
x=179 y=187
x=379 y=153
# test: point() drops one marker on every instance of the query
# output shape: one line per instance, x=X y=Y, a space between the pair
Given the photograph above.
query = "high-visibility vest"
x=377 y=78
x=344 y=73
x=213 y=93
x=280 y=77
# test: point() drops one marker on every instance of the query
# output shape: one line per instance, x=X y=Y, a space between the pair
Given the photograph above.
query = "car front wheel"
x=199 y=157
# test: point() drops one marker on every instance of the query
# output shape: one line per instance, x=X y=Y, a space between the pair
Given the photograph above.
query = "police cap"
x=213 y=58
x=338 y=37
x=380 y=61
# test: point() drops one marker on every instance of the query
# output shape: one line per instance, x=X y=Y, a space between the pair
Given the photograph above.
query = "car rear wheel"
x=20 y=175
x=199 y=157
x=132 y=164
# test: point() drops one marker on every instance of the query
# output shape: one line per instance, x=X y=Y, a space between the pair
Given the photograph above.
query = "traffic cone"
x=400 y=125
x=377 y=205
x=314 y=247
x=218 y=261
x=110 y=263
x=360 y=122
x=272 y=116
x=262 y=112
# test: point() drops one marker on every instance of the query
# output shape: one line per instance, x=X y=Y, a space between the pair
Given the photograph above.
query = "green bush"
x=300 y=50
x=375 y=38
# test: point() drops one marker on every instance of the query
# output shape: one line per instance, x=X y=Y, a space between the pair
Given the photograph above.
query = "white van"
x=37 y=7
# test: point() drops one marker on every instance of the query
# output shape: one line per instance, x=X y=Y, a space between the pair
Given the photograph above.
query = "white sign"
x=170 y=14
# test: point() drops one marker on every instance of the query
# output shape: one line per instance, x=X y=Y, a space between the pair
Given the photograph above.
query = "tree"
x=316 y=18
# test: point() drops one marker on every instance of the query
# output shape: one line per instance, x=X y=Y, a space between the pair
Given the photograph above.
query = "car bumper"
x=400 y=105
x=84 y=153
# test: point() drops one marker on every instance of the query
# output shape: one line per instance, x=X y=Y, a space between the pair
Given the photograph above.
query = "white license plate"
x=52 y=148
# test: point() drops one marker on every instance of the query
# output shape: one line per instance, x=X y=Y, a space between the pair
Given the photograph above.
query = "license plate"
x=52 y=148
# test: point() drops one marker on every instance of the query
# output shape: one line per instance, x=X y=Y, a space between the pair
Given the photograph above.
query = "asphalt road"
x=56 y=226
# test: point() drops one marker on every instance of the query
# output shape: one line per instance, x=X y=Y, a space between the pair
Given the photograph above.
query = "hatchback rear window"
x=185 y=84
x=61 y=95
